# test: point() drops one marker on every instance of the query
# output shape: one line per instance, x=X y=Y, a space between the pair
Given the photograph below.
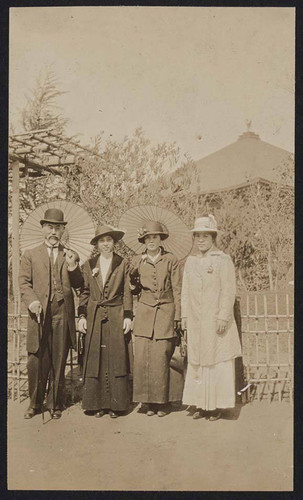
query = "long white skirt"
x=210 y=387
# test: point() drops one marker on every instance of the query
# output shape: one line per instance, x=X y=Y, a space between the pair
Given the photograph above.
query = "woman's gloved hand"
x=82 y=325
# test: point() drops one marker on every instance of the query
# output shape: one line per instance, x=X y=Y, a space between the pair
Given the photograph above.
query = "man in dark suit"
x=47 y=275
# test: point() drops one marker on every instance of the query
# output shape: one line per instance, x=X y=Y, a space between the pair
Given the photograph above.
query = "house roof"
x=242 y=161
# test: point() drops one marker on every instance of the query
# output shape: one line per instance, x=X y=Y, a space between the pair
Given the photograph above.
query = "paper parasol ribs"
x=79 y=229
x=179 y=241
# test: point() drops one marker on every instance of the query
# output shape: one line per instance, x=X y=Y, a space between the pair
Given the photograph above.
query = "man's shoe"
x=56 y=414
x=31 y=412
x=197 y=414
x=99 y=414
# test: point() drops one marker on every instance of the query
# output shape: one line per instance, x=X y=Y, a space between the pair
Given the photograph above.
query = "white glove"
x=127 y=323
x=82 y=325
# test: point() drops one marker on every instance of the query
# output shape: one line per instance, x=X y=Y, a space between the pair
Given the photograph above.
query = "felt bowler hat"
x=206 y=224
x=53 y=216
x=103 y=230
x=152 y=227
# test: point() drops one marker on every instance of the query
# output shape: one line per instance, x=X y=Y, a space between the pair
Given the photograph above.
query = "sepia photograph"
x=151 y=248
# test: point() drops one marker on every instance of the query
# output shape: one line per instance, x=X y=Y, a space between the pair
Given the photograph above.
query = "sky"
x=190 y=75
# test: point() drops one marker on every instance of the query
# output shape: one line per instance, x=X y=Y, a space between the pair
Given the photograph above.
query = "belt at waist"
x=152 y=299
x=115 y=301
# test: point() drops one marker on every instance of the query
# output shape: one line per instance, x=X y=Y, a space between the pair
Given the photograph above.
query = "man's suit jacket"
x=34 y=281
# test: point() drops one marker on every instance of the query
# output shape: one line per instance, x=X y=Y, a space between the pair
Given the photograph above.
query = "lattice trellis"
x=45 y=150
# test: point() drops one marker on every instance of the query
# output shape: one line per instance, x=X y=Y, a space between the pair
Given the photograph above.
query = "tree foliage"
x=110 y=184
x=42 y=110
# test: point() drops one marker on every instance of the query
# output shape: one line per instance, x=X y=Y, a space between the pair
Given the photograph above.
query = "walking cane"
x=40 y=368
x=52 y=370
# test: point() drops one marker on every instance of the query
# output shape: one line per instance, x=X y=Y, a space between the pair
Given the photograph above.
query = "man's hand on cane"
x=36 y=308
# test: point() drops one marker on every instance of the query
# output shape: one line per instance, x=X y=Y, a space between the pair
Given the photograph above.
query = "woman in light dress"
x=207 y=301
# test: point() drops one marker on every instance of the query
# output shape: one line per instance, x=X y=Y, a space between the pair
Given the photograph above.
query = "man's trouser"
x=50 y=360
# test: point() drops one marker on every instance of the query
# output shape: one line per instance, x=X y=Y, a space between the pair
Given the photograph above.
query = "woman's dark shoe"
x=197 y=414
x=215 y=416
x=150 y=411
x=56 y=414
x=113 y=414
x=31 y=412
x=99 y=414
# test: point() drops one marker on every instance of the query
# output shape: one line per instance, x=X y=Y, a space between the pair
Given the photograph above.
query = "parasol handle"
x=66 y=247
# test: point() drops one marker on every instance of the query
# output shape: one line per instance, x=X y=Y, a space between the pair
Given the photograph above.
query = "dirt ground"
x=250 y=449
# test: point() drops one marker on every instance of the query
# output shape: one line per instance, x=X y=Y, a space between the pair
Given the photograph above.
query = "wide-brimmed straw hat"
x=103 y=230
x=53 y=216
x=206 y=224
x=152 y=227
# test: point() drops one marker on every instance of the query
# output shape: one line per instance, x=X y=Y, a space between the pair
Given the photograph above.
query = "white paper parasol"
x=179 y=241
x=80 y=228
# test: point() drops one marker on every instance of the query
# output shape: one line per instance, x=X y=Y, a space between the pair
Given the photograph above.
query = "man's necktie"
x=52 y=277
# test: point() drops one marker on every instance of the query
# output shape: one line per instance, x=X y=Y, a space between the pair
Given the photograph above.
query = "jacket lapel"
x=98 y=278
x=116 y=261
x=44 y=258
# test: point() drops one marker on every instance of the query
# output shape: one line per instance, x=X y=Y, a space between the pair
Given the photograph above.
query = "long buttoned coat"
x=112 y=301
x=159 y=289
x=34 y=282
x=208 y=294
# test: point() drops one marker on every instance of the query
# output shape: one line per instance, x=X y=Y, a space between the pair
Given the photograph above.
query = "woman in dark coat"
x=106 y=302
x=155 y=277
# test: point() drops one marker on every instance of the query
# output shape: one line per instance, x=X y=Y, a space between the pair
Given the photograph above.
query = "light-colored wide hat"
x=205 y=225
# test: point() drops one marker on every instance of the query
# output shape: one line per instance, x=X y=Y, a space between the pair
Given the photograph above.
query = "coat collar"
x=213 y=252
x=116 y=261
x=158 y=259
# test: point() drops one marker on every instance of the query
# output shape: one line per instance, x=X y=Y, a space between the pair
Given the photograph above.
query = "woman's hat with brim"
x=206 y=224
x=152 y=227
x=53 y=216
x=103 y=230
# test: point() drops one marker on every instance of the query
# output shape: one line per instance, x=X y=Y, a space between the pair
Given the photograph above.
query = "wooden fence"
x=267 y=339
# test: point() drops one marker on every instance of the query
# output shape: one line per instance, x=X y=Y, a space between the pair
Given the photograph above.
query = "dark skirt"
x=106 y=391
x=151 y=369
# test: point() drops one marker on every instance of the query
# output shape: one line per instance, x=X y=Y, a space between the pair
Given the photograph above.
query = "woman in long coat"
x=106 y=302
x=207 y=300
x=155 y=278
